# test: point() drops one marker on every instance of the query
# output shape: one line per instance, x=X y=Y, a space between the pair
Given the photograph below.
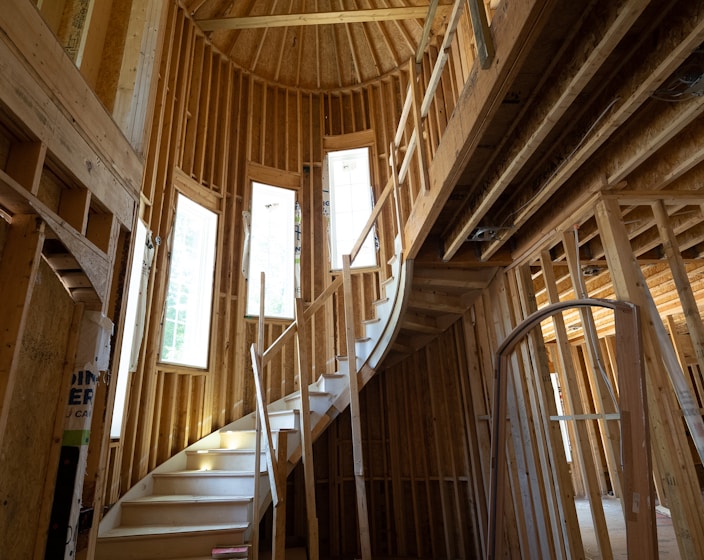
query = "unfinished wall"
x=215 y=128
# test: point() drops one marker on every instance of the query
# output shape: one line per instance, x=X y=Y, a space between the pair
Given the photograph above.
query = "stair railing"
x=415 y=107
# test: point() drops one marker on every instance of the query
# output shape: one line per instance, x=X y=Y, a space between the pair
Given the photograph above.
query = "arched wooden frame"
x=638 y=488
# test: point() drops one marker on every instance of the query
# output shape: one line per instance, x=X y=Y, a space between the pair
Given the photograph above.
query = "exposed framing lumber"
x=318 y=18
x=515 y=31
x=673 y=51
x=674 y=462
x=362 y=512
x=306 y=435
x=546 y=116
x=574 y=405
x=641 y=536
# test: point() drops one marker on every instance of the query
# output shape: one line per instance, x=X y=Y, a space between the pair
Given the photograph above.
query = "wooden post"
x=421 y=153
x=482 y=33
x=598 y=379
x=684 y=288
x=638 y=487
x=672 y=454
x=278 y=540
x=358 y=454
x=306 y=435
x=571 y=393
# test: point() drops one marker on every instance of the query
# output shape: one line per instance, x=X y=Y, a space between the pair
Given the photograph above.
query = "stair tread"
x=311 y=392
x=187 y=498
x=166 y=530
x=195 y=473
x=223 y=450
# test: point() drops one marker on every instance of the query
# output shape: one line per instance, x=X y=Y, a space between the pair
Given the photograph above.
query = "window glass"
x=350 y=206
x=186 y=328
x=272 y=250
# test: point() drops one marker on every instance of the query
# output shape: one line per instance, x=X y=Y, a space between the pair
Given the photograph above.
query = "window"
x=186 y=329
x=350 y=206
x=272 y=250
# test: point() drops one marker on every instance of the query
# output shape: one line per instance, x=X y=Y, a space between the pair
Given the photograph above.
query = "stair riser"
x=246 y=439
x=317 y=402
x=242 y=461
x=205 y=486
x=137 y=514
x=167 y=546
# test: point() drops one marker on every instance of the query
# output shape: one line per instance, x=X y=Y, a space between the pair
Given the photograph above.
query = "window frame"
x=196 y=193
x=351 y=141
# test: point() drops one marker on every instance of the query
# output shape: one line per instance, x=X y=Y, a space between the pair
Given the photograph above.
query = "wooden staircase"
x=203 y=497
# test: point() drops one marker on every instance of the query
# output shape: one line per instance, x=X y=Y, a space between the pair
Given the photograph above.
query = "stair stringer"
x=370 y=353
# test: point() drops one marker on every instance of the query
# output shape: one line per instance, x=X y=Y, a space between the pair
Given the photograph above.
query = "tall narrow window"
x=350 y=205
x=186 y=330
x=272 y=250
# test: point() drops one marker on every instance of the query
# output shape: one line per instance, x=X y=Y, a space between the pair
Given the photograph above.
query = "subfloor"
x=667 y=542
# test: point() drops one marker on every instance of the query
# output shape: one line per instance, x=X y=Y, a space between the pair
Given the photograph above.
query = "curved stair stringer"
x=202 y=496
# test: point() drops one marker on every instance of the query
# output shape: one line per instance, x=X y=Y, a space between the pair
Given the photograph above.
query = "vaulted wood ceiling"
x=321 y=44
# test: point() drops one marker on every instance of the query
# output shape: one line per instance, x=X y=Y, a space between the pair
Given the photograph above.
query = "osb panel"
x=28 y=440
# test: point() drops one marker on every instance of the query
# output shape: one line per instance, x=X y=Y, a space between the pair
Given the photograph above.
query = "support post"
x=362 y=513
x=306 y=435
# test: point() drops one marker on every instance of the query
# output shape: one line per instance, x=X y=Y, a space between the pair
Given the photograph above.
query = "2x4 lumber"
x=304 y=368
x=682 y=284
x=482 y=33
x=596 y=374
x=427 y=26
x=318 y=18
x=571 y=393
x=515 y=30
x=524 y=472
x=553 y=460
x=673 y=458
x=278 y=540
x=546 y=523
x=444 y=50
x=418 y=127
x=358 y=454
x=438 y=431
x=649 y=197
x=670 y=53
x=548 y=113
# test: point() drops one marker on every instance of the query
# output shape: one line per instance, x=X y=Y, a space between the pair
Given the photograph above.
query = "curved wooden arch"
x=638 y=488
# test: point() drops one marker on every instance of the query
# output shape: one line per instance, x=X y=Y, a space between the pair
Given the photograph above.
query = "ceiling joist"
x=319 y=18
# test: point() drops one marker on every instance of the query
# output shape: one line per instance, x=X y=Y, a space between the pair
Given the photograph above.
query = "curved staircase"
x=202 y=497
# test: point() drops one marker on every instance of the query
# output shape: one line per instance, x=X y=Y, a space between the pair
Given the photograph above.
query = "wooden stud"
x=362 y=514
x=671 y=452
x=306 y=435
x=571 y=395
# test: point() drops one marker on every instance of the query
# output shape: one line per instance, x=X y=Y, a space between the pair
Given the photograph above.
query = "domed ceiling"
x=321 y=44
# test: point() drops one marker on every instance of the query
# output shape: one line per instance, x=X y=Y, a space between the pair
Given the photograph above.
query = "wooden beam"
x=647 y=197
x=670 y=53
x=671 y=450
x=547 y=115
x=574 y=401
x=318 y=18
